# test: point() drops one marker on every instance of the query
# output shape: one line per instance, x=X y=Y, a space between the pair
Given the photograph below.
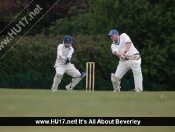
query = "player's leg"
x=56 y=81
x=136 y=69
x=76 y=76
x=115 y=83
x=116 y=78
x=58 y=76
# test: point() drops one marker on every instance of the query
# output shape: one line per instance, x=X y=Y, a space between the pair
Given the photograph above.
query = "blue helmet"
x=67 y=39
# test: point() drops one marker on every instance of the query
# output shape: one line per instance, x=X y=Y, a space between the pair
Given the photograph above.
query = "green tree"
x=150 y=26
x=149 y=23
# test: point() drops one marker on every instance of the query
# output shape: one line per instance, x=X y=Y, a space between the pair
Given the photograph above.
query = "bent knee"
x=77 y=75
x=114 y=78
x=58 y=75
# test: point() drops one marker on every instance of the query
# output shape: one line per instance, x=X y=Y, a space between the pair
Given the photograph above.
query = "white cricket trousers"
x=135 y=66
x=69 y=69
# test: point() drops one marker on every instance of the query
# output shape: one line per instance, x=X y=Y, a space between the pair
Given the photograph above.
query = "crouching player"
x=63 y=65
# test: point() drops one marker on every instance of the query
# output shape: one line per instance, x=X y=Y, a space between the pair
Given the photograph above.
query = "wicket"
x=90 y=73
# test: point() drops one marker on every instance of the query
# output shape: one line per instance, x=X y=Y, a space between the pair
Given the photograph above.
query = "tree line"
x=149 y=23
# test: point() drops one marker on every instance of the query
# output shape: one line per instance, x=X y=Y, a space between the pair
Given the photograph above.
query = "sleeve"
x=70 y=52
x=126 y=38
x=114 y=48
x=59 y=50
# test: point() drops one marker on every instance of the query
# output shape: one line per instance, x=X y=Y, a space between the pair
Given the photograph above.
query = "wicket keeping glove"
x=64 y=60
x=68 y=60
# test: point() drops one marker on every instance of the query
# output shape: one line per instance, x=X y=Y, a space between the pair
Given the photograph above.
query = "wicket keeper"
x=63 y=65
x=129 y=56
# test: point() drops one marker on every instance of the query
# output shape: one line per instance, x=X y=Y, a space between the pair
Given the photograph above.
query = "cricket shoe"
x=68 y=87
x=53 y=89
x=117 y=90
x=138 y=90
x=83 y=74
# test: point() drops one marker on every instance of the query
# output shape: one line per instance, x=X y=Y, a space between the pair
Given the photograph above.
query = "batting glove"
x=122 y=57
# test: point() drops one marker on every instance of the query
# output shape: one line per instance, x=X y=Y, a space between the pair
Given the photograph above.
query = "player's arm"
x=128 y=42
x=59 y=52
x=69 y=56
x=117 y=53
x=128 y=45
x=71 y=51
x=120 y=55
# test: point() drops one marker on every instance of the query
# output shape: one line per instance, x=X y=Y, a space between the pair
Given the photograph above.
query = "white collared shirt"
x=121 y=45
x=64 y=51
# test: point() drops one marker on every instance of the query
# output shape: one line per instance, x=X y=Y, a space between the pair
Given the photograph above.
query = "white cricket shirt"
x=62 y=50
x=121 y=45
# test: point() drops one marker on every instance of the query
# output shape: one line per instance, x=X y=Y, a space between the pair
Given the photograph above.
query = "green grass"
x=25 y=102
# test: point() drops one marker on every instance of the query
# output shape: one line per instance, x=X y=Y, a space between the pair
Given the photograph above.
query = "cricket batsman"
x=129 y=56
x=63 y=65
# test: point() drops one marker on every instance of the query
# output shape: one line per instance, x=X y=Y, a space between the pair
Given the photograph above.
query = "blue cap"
x=112 y=32
x=67 y=39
